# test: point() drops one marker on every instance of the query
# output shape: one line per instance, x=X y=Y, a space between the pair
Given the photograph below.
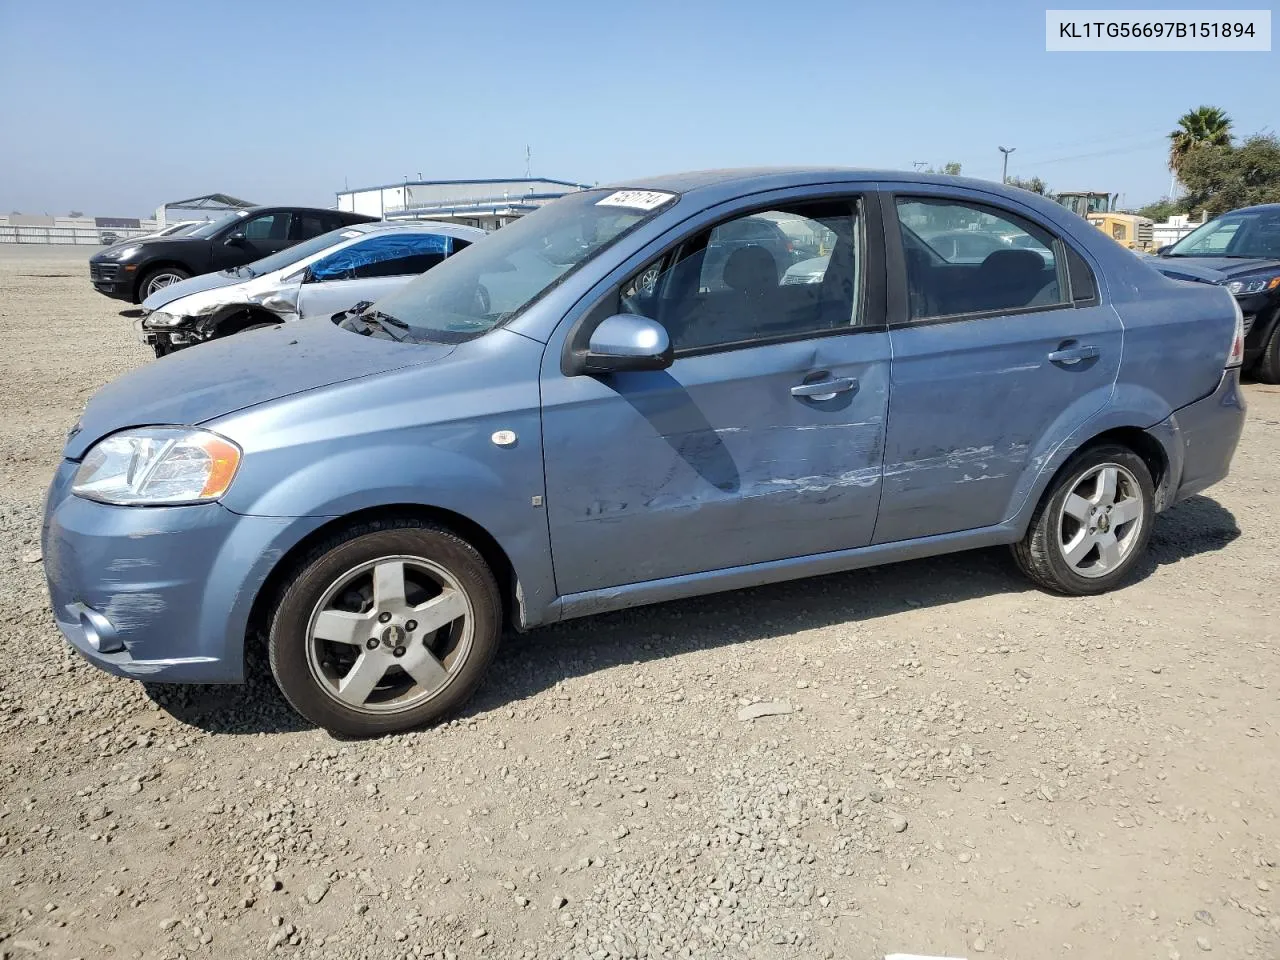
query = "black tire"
x=176 y=272
x=289 y=645
x=1040 y=554
x=1267 y=366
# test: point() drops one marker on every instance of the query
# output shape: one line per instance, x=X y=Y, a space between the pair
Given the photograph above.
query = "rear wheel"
x=385 y=627
x=1093 y=525
x=160 y=278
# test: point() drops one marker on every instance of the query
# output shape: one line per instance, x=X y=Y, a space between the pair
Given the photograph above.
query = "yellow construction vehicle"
x=1127 y=229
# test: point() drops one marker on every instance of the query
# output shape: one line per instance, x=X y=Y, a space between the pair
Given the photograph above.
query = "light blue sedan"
x=570 y=417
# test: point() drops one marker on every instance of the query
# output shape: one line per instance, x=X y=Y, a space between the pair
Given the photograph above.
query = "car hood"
x=213 y=379
x=1230 y=268
x=1184 y=268
x=184 y=288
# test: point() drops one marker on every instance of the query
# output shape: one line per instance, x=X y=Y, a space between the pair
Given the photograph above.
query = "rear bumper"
x=1207 y=432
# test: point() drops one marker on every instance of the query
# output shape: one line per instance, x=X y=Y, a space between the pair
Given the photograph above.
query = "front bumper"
x=158 y=593
x=1208 y=432
x=165 y=339
x=1258 y=310
x=113 y=279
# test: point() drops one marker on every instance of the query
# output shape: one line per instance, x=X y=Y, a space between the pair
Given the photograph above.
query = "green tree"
x=948 y=169
x=1034 y=184
x=1225 y=178
x=1161 y=210
x=1201 y=127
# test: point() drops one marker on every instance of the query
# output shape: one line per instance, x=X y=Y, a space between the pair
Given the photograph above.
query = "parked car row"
x=315 y=278
x=135 y=269
x=617 y=400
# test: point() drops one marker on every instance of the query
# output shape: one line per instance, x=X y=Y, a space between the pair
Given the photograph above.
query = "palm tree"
x=1201 y=127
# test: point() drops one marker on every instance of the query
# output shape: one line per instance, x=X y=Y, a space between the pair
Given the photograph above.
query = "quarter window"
x=775 y=273
x=969 y=258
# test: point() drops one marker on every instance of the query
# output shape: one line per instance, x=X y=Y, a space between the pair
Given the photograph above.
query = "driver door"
x=764 y=438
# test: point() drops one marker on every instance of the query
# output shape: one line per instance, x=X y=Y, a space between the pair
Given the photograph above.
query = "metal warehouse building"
x=478 y=203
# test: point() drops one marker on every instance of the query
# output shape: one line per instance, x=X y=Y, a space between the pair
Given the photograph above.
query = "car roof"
x=746 y=178
x=417 y=226
x=1256 y=208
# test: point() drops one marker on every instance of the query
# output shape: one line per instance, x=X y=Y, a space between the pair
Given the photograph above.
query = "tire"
x=388 y=673
x=1055 y=538
x=1267 y=367
x=170 y=275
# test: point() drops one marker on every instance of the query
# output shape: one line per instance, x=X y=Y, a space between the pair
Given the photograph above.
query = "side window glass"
x=458 y=245
x=773 y=273
x=270 y=227
x=310 y=225
x=964 y=257
x=385 y=256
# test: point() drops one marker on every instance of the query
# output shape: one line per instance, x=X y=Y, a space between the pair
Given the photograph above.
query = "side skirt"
x=774 y=571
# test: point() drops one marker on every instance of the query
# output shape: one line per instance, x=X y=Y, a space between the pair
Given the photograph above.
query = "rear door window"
x=964 y=257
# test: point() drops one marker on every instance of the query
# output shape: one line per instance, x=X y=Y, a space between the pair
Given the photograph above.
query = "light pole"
x=1004 y=174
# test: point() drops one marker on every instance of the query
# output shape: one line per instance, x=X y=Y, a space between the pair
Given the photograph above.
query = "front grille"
x=103 y=271
x=1248 y=322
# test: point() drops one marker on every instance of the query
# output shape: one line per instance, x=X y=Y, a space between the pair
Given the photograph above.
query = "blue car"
x=572 y=416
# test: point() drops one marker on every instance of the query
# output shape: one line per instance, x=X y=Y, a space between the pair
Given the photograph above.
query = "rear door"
x=995 y=361
x=368 y=270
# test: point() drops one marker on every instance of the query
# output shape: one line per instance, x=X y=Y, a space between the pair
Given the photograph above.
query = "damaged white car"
x=328 y=274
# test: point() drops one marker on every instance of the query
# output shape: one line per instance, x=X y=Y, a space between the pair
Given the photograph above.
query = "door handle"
x=824 y=389
x=1068 y=356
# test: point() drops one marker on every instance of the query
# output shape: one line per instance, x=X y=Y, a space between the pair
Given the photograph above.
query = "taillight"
x=1236 y=356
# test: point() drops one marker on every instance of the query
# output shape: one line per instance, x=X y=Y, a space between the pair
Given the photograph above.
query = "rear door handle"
x=1072 y=355
x=824 y=389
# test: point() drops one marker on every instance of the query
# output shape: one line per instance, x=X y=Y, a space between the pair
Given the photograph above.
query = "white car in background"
x=322 y=276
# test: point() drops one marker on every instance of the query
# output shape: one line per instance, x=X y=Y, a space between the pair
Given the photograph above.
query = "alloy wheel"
x=390 y=634
x=1101 y=520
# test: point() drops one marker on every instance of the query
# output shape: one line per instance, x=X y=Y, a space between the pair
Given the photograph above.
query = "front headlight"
x=122 y=253
x=158 y=318
x=1244 y=288
x=151 y=466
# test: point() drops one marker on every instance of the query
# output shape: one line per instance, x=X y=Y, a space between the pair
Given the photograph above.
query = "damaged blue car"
x=631 y=396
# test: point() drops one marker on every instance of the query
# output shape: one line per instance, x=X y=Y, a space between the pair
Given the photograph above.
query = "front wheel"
x=160 y=278
x=1267 y=367
x=1092 y=526
x=386 y=627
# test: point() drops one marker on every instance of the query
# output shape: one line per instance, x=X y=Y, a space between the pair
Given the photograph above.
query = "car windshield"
x=1242 y=234
x=207 y=230
x=291 y=255
x=495 y=279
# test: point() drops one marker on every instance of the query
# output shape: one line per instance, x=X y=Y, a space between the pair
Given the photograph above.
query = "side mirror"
x=1161 y=251
x=235 y=240
x=627 y=342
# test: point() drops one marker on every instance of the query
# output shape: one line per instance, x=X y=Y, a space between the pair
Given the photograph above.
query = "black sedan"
x=1244 y=247
x=134 y=271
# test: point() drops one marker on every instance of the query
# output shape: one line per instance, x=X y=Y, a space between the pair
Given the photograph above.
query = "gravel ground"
x=946 y=761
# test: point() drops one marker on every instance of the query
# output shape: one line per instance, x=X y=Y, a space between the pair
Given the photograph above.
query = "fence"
x=82 y=236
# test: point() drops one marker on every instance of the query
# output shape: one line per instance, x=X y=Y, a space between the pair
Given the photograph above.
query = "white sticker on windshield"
x=636 y=199
x=348 y=234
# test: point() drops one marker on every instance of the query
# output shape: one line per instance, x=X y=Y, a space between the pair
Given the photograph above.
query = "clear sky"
x=114 y=108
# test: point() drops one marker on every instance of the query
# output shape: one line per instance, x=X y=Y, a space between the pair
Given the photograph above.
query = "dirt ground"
x=969 y=768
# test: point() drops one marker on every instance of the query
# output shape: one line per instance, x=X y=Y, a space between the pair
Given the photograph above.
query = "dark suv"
x=1244 y=246
x=135 y=271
